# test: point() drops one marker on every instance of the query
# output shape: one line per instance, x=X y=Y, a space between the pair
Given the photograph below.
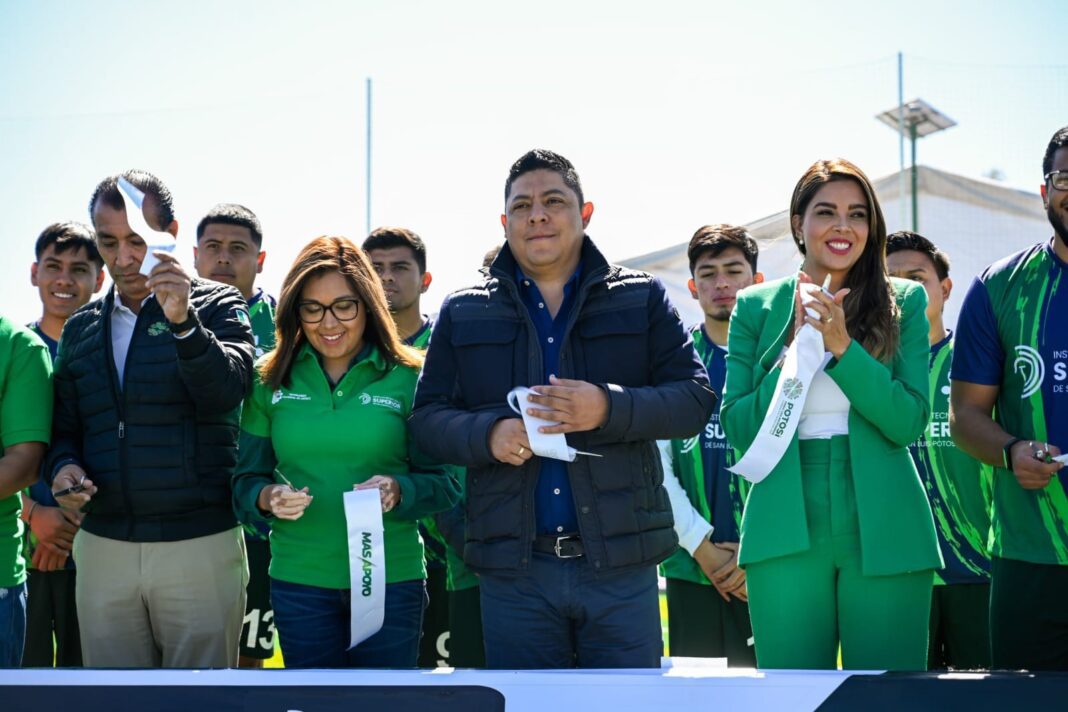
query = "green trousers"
x=804 y=605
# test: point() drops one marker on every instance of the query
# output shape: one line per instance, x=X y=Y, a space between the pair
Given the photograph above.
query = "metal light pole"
x=368 y=205
x=916 y=119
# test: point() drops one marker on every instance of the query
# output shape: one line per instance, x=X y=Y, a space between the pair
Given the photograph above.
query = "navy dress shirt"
x=554 y=506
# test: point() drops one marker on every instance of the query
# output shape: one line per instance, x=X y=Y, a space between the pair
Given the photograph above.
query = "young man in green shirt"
x=1009 y=409
x=708 y=613
x=958 y=485
x=452 y=622
x=67 y=272
x=229 y=250
x=25 y=424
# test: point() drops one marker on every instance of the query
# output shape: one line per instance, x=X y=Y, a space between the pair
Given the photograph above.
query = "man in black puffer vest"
x=566 y=551
x=149 y=381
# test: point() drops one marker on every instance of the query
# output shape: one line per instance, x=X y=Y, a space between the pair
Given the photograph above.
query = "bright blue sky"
x=675 y=113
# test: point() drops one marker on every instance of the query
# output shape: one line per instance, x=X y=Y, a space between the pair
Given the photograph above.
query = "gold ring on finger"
x=521 y=451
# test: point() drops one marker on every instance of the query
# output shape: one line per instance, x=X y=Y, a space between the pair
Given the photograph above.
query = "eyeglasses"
x=1058 y=179
x=344 y=309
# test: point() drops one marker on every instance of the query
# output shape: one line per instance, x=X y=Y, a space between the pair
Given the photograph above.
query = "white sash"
x=367 y=563
x=552 y=445
x=803 y=359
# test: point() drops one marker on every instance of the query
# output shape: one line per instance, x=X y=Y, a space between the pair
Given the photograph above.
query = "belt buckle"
x=556 y=548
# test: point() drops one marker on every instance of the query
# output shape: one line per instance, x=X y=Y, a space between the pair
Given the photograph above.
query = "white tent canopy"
x=974 y=221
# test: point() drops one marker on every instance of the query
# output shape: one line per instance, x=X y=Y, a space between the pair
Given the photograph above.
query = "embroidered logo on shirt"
x=281 y=395
x=160 y=327
x=381 y=401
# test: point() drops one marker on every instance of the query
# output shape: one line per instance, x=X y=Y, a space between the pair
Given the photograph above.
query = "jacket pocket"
x=615 y=347
x=485 y=359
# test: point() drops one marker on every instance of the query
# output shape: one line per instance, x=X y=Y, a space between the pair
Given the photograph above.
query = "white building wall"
x=972 y=235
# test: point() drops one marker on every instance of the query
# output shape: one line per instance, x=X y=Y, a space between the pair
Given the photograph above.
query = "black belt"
x=566 y=546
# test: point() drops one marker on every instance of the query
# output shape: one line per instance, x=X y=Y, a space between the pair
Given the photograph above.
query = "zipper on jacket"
x=120 y=402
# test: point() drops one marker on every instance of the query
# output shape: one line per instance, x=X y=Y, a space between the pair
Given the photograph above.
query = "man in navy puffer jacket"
x=149 y=381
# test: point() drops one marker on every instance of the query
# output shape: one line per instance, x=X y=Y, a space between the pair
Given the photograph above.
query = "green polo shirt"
x=25 y=417
x=328 y=439
x=261 y=309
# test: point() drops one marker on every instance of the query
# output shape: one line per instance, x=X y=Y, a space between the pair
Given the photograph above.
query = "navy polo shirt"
x=554 y=506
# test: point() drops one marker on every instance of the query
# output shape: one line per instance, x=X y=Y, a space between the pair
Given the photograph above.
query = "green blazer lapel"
x=782 y=303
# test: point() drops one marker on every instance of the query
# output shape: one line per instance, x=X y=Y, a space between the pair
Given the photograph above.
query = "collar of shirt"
x=119 y=306
x=937 y=346
x=1052 y=252
x=418 y=332
x=528 y=288
x=369 y=354
x=256 y=296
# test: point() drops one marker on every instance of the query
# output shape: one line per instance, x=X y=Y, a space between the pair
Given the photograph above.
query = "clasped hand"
x=170 y=283
x=1030 y=465
x=283 y=501
x=830 y=319
x=575 y=406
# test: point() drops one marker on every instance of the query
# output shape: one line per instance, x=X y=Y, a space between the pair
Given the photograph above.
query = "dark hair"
x=333 y=254
x=232 y=214
x=540 y=159
x=1059 y=141
x=907 y=240
x=871 y=306
x=107 y=190
x=714 y=239
x=63 y=236
x=384 y=238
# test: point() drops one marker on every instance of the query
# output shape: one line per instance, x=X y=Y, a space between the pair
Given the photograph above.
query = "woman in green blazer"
x=838 y=541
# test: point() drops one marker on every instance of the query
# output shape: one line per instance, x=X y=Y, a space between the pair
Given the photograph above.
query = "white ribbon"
x=133 y=200
x=804 y=359
x=367 y=563
x=552 y=445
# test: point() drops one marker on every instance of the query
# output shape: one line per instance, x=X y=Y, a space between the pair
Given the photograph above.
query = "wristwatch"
x=190 y=322
x=1006 y=451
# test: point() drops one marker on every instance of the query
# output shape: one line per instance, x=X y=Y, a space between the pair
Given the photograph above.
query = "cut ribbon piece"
x=552 y=445
x=133 y=200
x=367 y=564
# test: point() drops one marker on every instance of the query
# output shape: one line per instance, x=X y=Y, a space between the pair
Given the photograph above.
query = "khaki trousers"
x=174 y=604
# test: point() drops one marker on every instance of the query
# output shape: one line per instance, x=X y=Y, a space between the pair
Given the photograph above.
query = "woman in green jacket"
x=327 y=413
x=838 y=541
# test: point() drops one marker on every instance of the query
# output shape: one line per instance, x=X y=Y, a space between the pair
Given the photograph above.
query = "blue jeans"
x=559 y=615
x=12 y=625
x=313 y=626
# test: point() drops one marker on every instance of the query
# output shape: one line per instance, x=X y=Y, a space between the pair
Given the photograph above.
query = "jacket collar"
x=781 y=308
x=114 y=302
x=595 y=267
